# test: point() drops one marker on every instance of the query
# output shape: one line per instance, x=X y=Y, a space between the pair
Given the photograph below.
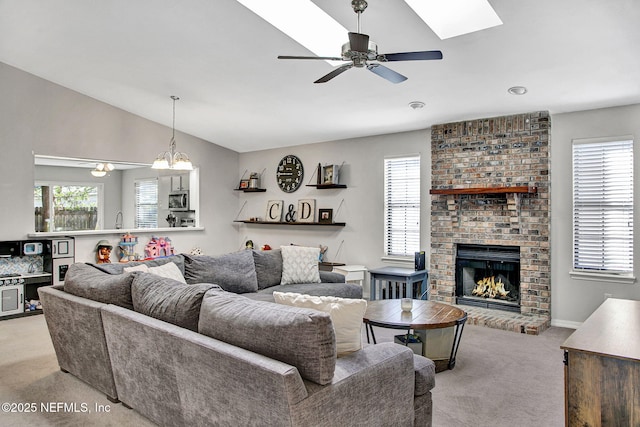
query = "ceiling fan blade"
x=359 y=42
x=326 y=58
x=413 y=56
x=334 y=73
x=386 y=73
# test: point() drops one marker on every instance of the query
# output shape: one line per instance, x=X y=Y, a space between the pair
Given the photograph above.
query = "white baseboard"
x=565 y=324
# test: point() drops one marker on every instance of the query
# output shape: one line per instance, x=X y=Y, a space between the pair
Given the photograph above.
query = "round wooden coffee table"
x=423 y=316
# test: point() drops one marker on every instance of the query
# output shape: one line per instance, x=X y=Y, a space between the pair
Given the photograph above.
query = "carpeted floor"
x=500 y=379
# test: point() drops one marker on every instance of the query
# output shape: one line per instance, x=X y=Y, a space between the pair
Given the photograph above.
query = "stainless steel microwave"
x=179 y=201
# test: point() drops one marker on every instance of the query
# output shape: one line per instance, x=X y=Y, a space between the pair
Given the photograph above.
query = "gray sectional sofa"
x=218 y=351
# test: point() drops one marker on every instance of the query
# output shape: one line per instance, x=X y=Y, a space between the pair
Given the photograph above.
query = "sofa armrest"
x=425 y=372
x=374 y=386
x=331 y=277
x=75 y=327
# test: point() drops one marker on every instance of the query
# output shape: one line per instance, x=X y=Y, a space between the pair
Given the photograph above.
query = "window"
x=146 y=203
x=402 y=205
x=603 y=206
x=67 y=207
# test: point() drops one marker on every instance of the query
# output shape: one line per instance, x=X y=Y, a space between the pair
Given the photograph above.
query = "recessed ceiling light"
x=453 y=18
x=517 y=90
x=416 y=105
x=302 y=20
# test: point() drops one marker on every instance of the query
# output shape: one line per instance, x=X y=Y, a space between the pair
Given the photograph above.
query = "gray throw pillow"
x=234 y=272
x=301 y=337
x=268 y=267
x=168 y=300
x=85 y=281
x=118 y=267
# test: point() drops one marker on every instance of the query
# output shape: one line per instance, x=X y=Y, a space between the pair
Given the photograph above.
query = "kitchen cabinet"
x=180 y=182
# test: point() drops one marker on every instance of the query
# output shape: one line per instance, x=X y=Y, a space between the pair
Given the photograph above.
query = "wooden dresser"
x=602 y=367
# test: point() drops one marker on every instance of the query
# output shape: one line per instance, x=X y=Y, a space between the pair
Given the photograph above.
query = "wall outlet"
x=606 y=296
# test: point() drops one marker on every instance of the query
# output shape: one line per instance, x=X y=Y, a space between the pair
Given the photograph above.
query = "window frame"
x=136 y=205
x=623 y=275
x=388 y=254
x=100 y=196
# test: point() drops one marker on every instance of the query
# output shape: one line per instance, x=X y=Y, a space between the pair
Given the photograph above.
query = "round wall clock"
x=289 y=174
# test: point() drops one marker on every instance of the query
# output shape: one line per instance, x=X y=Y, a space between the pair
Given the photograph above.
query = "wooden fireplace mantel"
x=485 y=190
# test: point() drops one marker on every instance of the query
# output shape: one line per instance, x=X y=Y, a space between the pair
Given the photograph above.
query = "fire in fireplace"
x=488 y=276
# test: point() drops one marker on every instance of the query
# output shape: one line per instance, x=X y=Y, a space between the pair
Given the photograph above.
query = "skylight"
x=451 y=18
x=304 y=22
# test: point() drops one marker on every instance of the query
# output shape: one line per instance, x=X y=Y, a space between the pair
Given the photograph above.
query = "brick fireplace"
x=490 y=186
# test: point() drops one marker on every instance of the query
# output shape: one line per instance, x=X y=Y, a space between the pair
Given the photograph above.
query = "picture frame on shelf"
x=274 y=211
x=325 y=216
x=330 y=174
x=306 y=210
x=244 y=184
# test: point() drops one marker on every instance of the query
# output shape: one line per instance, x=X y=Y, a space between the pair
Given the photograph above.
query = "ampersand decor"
x=291 y=214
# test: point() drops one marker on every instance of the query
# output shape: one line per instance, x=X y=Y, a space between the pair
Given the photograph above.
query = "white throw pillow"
x=346 y=315
x=139 y=267
x=169 y=270
x=300 y=265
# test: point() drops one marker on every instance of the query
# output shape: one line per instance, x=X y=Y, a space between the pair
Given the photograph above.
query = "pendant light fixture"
x=172 y=159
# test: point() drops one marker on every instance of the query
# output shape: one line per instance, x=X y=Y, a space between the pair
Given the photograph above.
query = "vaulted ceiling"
x=221 y=60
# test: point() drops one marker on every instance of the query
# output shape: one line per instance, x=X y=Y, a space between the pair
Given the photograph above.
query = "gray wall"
x=37 y=116
x=573 y=300
x=360 y=205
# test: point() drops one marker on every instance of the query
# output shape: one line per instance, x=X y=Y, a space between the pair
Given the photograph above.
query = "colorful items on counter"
x=158 y=247
x=103 y=252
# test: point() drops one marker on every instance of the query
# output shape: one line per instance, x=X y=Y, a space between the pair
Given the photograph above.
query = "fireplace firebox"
x=488 y=276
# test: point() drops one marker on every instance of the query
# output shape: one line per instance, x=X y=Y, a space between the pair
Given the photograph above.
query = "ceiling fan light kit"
x=361 y=52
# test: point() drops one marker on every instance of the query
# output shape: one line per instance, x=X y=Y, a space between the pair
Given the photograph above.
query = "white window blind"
x=603 y=206
x=402 y=205
x=146 y=203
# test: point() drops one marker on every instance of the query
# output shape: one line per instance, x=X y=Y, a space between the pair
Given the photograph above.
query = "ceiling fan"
x=361 y=52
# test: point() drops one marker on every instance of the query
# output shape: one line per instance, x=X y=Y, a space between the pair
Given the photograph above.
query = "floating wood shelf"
x=485 y=190
x=323 y=186
x=251 y=190
x=334 y=224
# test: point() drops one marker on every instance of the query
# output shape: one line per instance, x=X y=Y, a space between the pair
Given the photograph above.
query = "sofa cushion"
x=346 y=316
x=83 y=280
x=234 y=272
x=300 y=265
x=118 y=268
x=168 y=299
x=268 y=267
x=300 y=337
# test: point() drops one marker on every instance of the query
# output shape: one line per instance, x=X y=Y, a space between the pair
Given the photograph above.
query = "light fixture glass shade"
x=161 y=162
x=182 y=162
x=98 y=173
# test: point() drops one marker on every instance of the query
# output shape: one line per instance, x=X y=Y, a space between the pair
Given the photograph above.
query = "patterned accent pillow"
x=346 y=316
x=300 y=265
x=169 y=270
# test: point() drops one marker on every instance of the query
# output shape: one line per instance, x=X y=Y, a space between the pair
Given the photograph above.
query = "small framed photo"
x=244 y=183
x=325 y=216
x=330 y=174
x=274 y=211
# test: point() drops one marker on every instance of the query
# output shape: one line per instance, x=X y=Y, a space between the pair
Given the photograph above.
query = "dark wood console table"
x=602 y=367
